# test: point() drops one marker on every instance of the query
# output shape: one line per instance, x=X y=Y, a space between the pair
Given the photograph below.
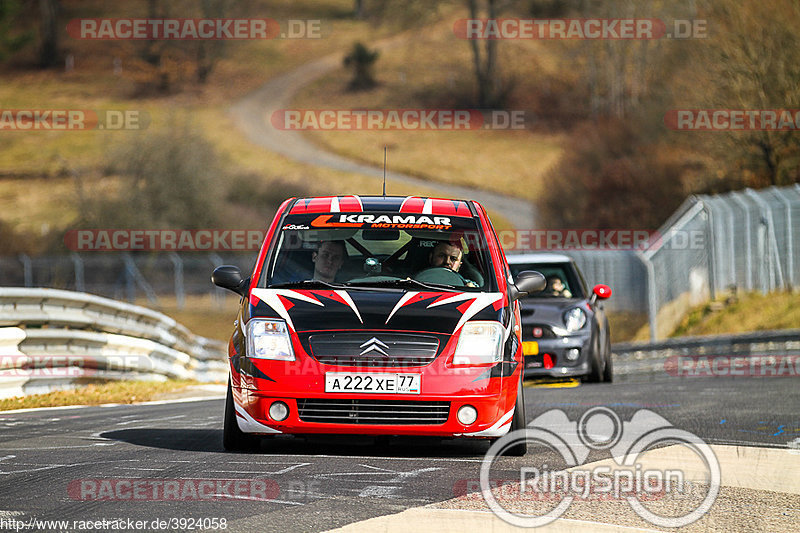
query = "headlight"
x=269 y=339
x=574 y=319
x=480 y=343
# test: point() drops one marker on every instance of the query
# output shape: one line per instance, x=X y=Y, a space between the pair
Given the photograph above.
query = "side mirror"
x=528 y=282
x=229 y=277
x=600 y=292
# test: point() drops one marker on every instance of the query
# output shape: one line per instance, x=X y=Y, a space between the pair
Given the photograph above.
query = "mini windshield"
x=561 y=279
x=386 y=250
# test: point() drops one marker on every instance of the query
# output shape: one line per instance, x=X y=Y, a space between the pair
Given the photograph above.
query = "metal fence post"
x=772 y=241
x=177 y=268
x=710 y=251
x=652 y=304
x=789 y=237
x=77 y=263
x=27 y=269
x=731 y=267
x=747 y=241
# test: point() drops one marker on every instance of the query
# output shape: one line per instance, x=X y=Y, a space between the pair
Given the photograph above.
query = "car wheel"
x=518 y=422
x=233 y=438
x=608 y=371
x=595 y=374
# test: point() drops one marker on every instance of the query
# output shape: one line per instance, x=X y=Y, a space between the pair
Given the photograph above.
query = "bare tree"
x=485 y=62
x=48 y=29
x=753 y=53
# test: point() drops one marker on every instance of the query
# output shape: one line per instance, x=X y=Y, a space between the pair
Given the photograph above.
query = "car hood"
x=370 y=310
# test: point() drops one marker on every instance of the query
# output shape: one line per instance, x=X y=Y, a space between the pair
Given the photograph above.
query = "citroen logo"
x=374 y=345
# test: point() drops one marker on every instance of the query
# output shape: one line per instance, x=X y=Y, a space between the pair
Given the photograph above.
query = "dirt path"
x=252 y=117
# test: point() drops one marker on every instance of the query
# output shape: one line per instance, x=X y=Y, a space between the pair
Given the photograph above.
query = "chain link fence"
x=124 y=276
x=718 y=244
x=713 y=244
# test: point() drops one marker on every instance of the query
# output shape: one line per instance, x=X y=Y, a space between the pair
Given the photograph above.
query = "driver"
x=449 y=255
x=556 y=287
x=446 y=255
x=328 y=259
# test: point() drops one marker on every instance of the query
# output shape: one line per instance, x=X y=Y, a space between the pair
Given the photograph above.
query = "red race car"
x=376 y=316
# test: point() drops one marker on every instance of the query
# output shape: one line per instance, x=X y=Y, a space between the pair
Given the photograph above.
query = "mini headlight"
x=269 y=339
x=480 y=343
x=574 y=319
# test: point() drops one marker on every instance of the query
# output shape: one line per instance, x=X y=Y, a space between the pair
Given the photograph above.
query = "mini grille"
x=379 y=349
x=376 y=412
x=547 y=332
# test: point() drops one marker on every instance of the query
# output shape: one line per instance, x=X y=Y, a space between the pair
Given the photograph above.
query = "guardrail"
x=53 y=339
x=712 y=356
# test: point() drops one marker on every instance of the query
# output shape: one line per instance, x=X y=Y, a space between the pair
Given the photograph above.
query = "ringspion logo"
x=632 y=477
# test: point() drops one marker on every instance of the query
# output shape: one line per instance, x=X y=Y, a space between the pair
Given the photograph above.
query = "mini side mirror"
x=600 y=292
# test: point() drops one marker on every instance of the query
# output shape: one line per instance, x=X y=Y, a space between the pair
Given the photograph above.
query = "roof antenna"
x=384 y=171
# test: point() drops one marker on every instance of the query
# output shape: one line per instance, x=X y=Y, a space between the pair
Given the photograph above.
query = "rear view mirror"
x=229 y=277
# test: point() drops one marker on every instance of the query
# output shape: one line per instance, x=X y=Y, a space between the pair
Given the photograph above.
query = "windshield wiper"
x=308 y=283
x=411 y=282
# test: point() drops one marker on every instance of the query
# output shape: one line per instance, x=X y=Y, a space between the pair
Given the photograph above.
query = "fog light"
x=573 y=354
x=278 y=411
x=467 y=415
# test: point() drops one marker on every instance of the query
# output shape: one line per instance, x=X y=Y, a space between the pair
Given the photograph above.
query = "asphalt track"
x=320 y=484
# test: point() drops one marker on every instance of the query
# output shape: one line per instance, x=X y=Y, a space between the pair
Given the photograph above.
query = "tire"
x=608 y=371
x=233 y=438
x=595 y=375
x=518 y=422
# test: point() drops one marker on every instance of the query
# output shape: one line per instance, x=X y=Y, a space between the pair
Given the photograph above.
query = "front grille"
x=378 y=349
x=377 y=412
x=547 y=332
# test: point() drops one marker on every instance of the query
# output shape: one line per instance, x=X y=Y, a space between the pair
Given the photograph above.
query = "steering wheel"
x=440 y=275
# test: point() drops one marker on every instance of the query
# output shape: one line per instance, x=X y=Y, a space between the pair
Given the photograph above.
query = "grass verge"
x=124 y=392
x=740 y=314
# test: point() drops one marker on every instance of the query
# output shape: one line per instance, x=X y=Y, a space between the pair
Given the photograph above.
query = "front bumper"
x=302 y=383
x=557 y=349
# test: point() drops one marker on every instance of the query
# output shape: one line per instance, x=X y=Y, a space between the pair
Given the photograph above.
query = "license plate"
x=373 y=383
x=530 y=348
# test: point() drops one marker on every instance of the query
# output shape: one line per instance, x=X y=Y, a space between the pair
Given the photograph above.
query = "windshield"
x=562 y=281
x=380 y=250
